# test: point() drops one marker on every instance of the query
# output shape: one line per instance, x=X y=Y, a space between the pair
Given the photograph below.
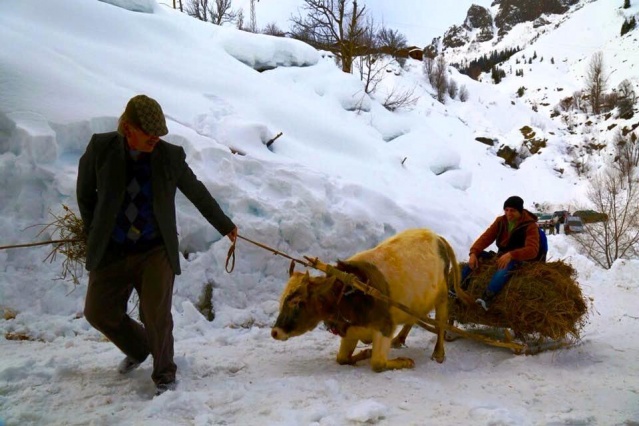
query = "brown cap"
x=146 y=113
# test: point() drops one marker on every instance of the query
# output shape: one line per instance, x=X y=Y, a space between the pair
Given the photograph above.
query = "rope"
x=42 y=243
x=230 y=256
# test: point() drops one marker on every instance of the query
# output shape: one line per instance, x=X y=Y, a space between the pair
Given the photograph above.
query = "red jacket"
x=522 y=243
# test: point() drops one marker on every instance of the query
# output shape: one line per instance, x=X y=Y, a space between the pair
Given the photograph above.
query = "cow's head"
x=300 y=306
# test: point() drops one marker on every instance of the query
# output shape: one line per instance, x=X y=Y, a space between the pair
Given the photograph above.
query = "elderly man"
x=516 y=235
x=126 y=188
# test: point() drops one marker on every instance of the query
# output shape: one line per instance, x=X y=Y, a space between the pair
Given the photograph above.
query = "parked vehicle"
x=563 y=214
x=544 y=221
x=591 y=216
x=573 y=225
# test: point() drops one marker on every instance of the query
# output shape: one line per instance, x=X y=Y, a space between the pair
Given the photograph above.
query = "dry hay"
x=541 y=300
x=72 y=243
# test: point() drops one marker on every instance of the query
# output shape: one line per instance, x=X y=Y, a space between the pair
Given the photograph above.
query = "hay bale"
x=73 y=243
x=540 y=300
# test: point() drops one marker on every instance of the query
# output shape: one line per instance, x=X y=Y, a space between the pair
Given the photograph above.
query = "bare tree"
x=627 y=99
x=429 y=70
x=274 y=30
x=222 y=12
x=463 y=93
x=239 y=22
x=217 y=11
x=391 y=40
x=596 y=81
x=617 y=237
x=371 y=65
x=397 y=99
x=626 y=160
x=452 y=89
x=198 y=9
x=333 y=25
x=441 y=78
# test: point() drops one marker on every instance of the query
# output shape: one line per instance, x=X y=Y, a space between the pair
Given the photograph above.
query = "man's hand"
x=504 y=260
x=472 y=261
x=232 y=235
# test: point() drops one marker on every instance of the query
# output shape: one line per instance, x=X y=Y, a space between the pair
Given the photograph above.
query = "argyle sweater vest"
x=135 y=226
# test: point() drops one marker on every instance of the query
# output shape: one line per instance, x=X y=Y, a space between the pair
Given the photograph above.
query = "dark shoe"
x=160 y=388
x=127 y=365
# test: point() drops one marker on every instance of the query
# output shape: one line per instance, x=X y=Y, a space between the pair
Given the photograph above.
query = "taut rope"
x=230 y=257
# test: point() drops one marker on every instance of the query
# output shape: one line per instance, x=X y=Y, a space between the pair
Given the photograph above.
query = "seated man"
x=517 y=237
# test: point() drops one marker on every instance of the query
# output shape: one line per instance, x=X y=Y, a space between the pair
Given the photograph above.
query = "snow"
x=345 y=174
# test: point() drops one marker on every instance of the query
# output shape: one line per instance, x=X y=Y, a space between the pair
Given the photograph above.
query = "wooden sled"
x=541 y=308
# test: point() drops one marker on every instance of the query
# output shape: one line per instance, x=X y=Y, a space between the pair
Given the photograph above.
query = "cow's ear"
x=291 y=268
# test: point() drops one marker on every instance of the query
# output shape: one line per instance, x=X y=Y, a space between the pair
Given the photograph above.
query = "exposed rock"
x=456 y=36
x=478 y=17
x=513 y=12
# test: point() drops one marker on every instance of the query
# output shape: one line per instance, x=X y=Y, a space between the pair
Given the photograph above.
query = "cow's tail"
x=453 y=275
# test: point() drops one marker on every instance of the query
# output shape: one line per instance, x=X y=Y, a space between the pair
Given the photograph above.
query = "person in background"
x=556 y=222
x=126 y=186
x=517 y=238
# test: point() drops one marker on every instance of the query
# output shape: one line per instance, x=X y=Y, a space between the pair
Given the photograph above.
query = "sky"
x=345 y=174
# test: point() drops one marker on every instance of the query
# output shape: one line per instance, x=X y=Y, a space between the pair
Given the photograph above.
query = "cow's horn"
x=291 y=268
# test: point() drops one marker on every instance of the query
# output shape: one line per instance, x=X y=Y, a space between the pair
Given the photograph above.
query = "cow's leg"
x=441 y=317
x=379 y=359
x=400 y=339
x=345 y=354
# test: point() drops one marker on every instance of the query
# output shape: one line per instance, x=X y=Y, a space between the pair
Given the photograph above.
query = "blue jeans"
x=499 y=278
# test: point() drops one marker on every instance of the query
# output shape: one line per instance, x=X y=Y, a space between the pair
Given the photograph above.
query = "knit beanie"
x=514 y=202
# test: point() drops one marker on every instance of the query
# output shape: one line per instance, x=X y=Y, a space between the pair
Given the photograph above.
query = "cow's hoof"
x=362 y=355
x=398 y=343
x=405 y=362
x=439 y=358
x=394 y=364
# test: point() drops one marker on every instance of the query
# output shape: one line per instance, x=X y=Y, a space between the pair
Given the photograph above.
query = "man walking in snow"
x=126 y=188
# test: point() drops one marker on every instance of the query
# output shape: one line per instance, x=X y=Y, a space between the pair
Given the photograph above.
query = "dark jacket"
x=101 y=186
x=522 y=243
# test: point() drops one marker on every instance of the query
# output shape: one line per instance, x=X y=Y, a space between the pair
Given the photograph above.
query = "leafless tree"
x=178 y=4
x=627 y=99
x=596 y=81
x=333 y=25
x=391 y=40
x=223 y=12
x=452 y=89
x=198 y=9
x=626 y=160
x=441 y=78
x=217 y=12
x=463 y=93
x=239 y=22
x=274 y=30
x=429 y=70
x=398 y=99
x=618 y=237
x=371 y=65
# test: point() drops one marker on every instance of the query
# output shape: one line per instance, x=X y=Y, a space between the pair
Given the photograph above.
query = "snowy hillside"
x=345 y=174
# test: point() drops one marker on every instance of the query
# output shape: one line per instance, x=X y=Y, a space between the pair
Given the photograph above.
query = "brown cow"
x=413 y=267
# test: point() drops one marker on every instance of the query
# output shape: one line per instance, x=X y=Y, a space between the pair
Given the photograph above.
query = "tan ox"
x=414 y=268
